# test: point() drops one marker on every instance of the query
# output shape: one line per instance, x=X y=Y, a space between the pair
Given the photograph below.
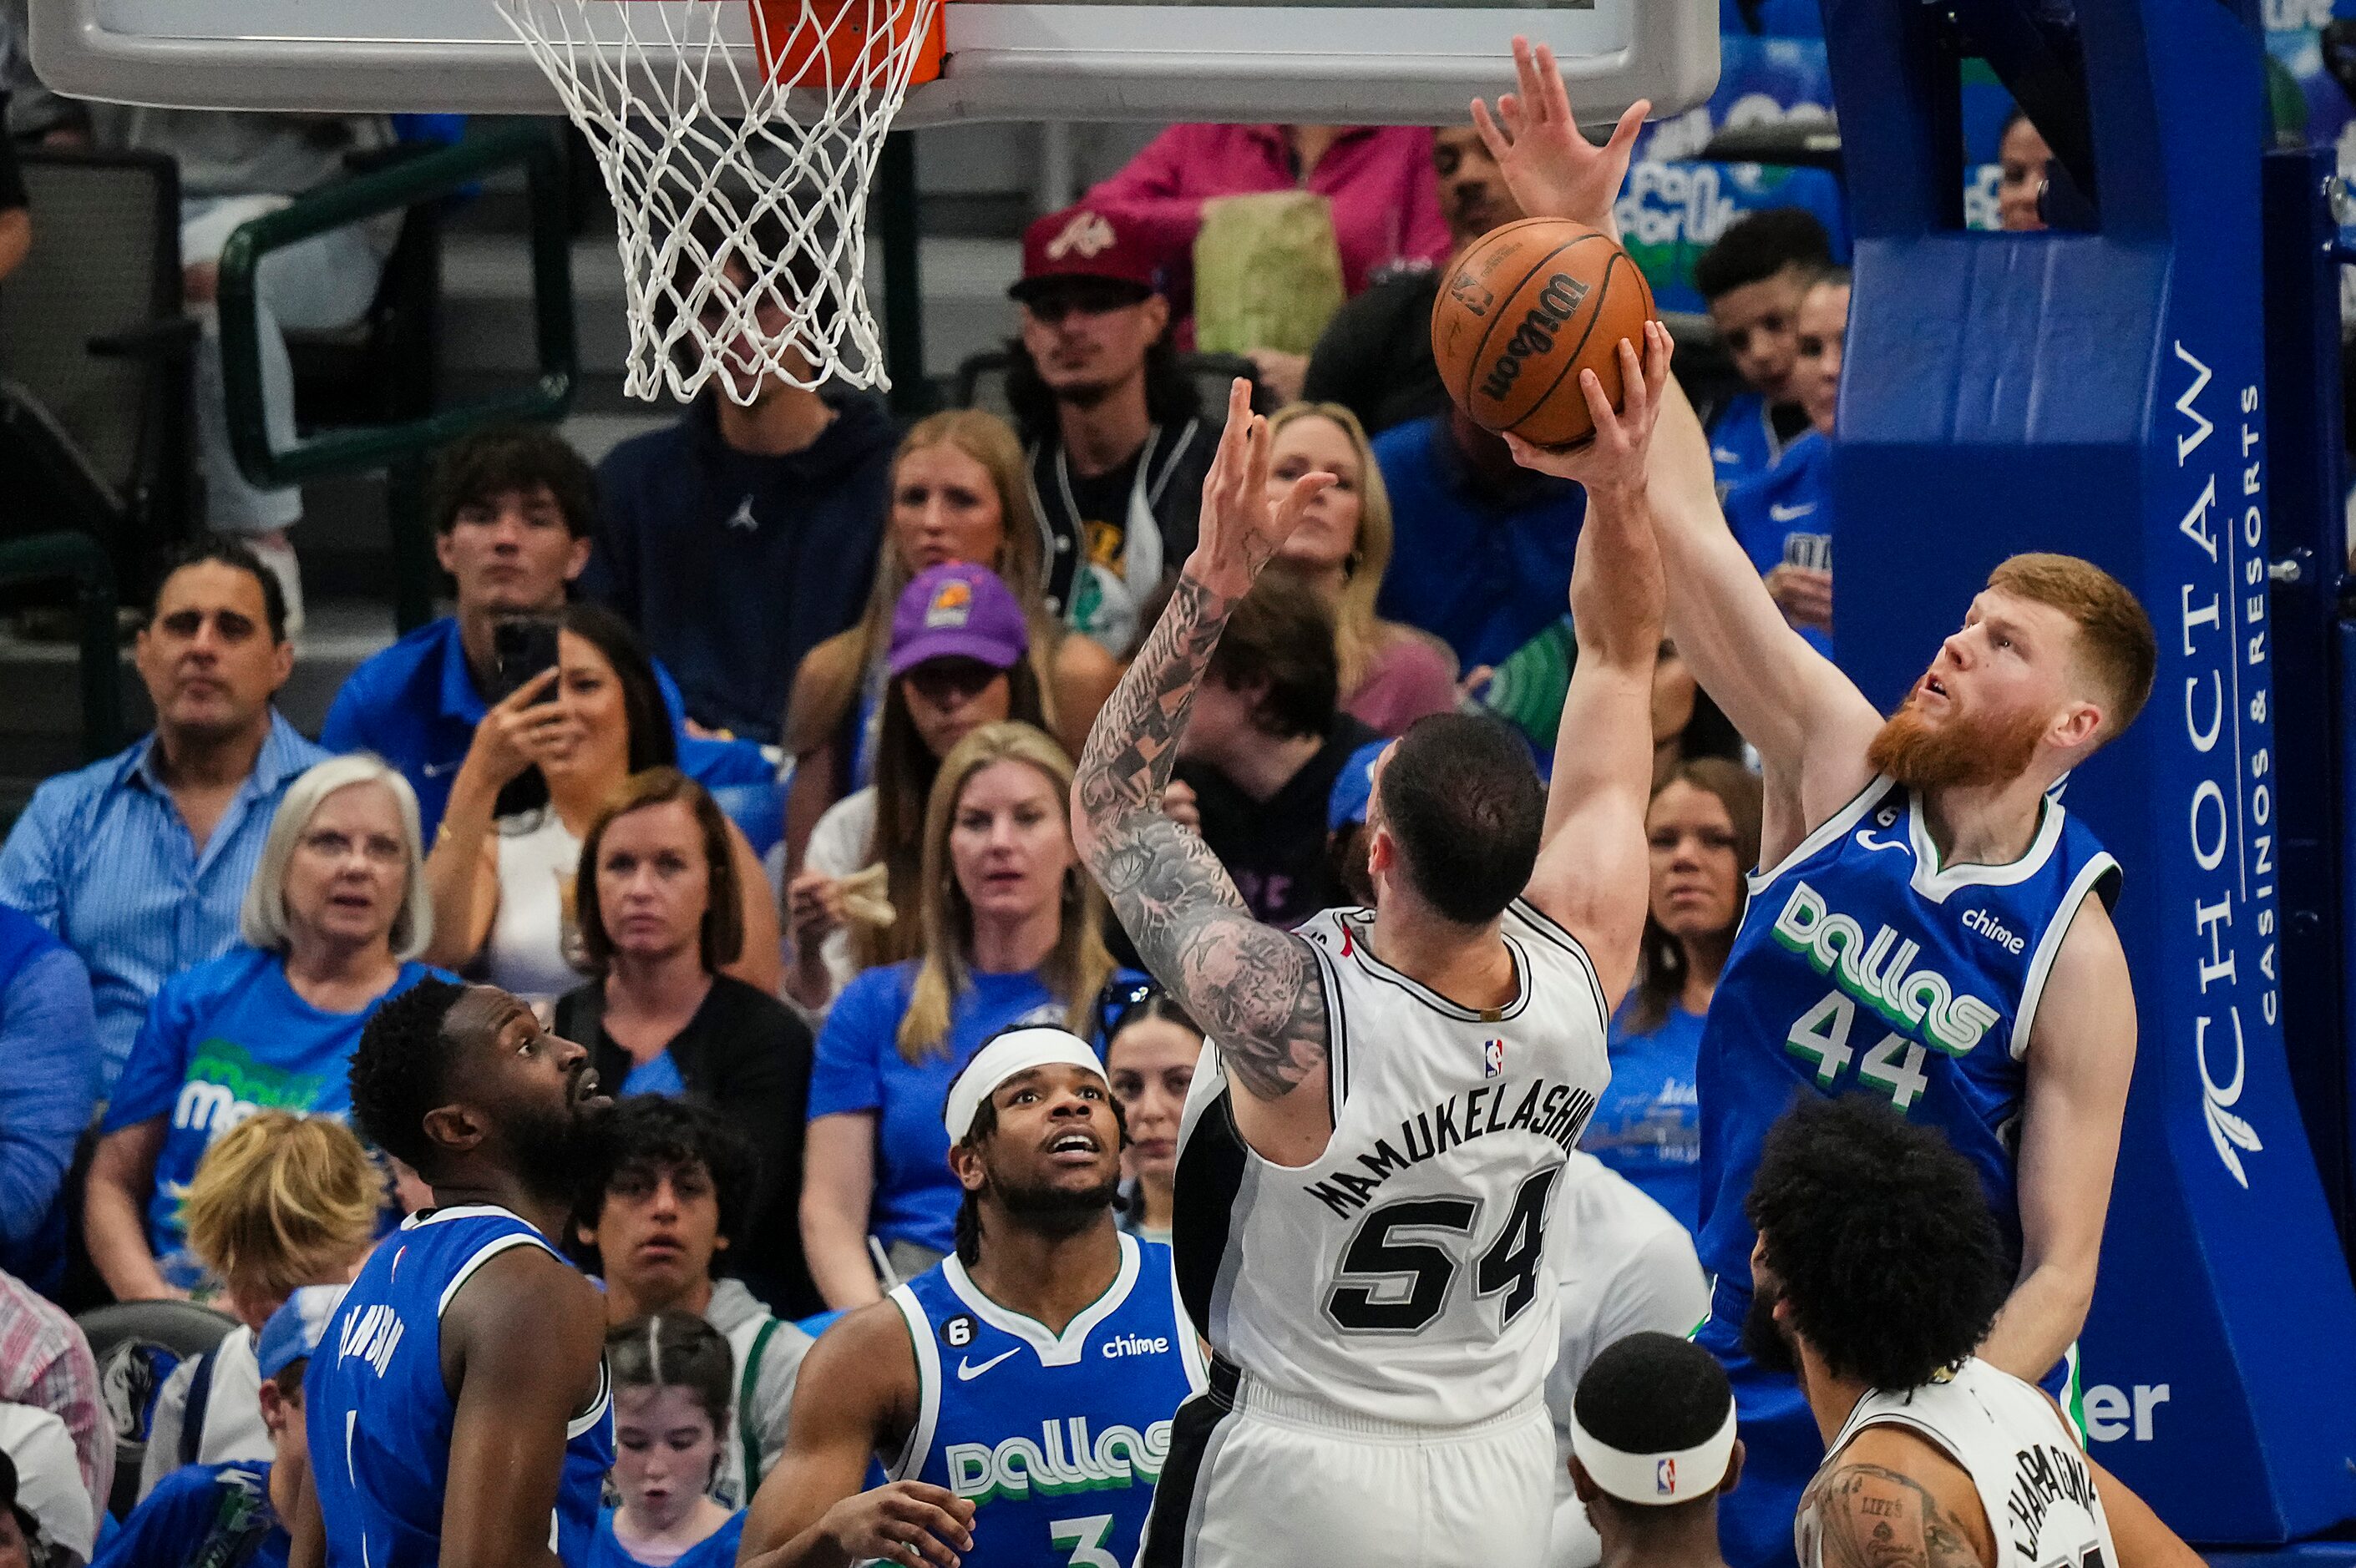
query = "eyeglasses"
x=1119 y=1001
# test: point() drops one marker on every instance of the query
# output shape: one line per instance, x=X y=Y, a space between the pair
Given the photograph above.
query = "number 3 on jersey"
x=1367 y=1295
x=1822 y=1036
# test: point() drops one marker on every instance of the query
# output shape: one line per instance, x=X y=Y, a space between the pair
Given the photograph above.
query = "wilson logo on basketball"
x=1561 y=297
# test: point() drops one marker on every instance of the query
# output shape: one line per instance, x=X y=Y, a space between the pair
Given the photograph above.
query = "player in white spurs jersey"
x=1878 y=1270
x=1368 y=1164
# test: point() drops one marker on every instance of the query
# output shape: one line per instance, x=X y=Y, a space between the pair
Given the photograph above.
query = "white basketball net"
x=743 y=202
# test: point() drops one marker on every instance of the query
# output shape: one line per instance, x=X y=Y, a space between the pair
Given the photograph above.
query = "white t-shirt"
x=525 y=953
x=232 y=1415
x=839 y=847
x=49 y=1478
x=1625 y=1265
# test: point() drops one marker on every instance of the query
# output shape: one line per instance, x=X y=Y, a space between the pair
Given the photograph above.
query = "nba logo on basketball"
x=1493 y=1058
x=1664 y=1477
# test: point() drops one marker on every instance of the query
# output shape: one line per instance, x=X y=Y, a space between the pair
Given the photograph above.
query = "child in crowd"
x=233 y=1514
x=670 y=1375
x=280 y=1201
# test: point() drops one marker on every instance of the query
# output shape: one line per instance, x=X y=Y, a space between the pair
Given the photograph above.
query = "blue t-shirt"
x=660 y=1076
x=1648 y=1125
x=1484 y=571
x=1744 y=442
x=717 y=1550
x=1786 y=514
x=203 y=1516
x=224 y=1041
x=859 y=1068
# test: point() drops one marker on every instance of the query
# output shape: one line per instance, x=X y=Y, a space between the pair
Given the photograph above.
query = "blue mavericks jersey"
x=378 y=1417
x=1058 y=1439
x=1863 y=965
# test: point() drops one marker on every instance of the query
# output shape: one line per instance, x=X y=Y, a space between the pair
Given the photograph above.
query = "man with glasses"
x=139 y=862
x=1117 y=451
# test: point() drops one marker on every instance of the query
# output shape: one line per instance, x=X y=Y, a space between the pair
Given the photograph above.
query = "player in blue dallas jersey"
x=1920 y=929
x=1021 y=1393
x=457 y=1407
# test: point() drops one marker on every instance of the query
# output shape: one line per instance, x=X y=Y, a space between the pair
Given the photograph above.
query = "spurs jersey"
x=1863 y=965
x=2032 y=1477
x=1407 y=1275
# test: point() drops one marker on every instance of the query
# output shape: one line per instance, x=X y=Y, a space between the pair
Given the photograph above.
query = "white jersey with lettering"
x=2032 y=1477
x=1407 y=1275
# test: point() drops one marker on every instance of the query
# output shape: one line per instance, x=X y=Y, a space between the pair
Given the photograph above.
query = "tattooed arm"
x=1253 y=988
x=1864 y=1514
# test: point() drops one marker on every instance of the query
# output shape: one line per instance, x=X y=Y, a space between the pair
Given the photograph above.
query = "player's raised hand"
x=1551 y=168
x=1241 y=528
x=909 y=1522
x=1612 y=463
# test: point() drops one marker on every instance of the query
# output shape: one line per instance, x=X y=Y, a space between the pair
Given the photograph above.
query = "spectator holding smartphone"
x=1783 y=518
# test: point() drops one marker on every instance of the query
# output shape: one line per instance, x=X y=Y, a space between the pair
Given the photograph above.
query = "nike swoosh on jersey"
x=1720 y=454
x=435 y=770
x=1784 y=514
x=966 y=1372
x=1866 y=840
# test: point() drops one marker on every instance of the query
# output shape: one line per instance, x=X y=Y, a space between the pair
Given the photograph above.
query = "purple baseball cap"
x=958 y=610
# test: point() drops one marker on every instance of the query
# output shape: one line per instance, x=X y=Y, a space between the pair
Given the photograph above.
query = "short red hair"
x=2117 y=653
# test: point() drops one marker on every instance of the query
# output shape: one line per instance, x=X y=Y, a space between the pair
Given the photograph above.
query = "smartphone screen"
x=522 y=648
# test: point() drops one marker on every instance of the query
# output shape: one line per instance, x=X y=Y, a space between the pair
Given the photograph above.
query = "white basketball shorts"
x=1256 y=1479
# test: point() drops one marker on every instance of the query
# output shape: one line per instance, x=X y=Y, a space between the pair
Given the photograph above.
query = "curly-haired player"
x=1935 y=1458
x=458 y=1411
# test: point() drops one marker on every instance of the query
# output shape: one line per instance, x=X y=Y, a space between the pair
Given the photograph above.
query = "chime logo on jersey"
x=1493 y=1058
x=1878 y=973
x=1065 y=1458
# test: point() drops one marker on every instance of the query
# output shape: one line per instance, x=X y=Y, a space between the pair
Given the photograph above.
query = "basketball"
x=1525 y=307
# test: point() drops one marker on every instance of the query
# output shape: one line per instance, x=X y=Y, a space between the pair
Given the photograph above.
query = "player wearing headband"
x=1652 y=1446
x=1021 y=1393
x=1935 y=1458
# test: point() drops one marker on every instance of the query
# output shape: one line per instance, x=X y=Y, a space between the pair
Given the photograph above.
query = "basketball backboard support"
x=1389 y=61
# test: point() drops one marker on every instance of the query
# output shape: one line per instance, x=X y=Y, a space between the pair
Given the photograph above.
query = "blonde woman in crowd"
x=1012 y=933
x=333 y=923
x=1391 y=675
x=960 y=492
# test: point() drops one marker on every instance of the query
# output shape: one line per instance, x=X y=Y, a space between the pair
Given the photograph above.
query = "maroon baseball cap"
x=958 y=610
x=1088 y=241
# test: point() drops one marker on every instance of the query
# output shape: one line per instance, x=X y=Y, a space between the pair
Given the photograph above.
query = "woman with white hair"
x=333 y=921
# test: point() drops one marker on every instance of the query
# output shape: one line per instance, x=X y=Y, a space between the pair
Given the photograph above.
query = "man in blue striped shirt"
x=139 y=862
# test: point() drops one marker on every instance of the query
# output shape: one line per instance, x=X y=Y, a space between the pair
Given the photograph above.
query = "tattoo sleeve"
x=1254 y=990
x=1867 y=1515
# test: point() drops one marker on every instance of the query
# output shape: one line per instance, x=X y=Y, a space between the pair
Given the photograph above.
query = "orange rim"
x=830 y=43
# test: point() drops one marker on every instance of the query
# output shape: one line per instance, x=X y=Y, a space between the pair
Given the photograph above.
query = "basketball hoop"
x=738 y=139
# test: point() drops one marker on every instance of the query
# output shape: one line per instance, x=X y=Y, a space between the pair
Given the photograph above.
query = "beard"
x=1963 y=753
x=1763 y=1339
x=552 y=1148
x=1053 y=1210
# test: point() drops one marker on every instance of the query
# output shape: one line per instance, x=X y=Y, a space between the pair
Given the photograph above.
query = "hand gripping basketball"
x=1241 y=529
x=1614 y=461
x=1551 y=168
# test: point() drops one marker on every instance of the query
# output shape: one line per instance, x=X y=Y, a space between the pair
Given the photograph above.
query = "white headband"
x=1017 y=1051
x=1655 y=1479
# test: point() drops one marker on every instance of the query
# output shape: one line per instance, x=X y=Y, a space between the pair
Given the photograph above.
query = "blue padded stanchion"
x=2100 y=393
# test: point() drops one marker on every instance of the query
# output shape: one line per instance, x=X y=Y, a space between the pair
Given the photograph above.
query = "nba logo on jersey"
x=1493 y=1058
x=1664 y=1477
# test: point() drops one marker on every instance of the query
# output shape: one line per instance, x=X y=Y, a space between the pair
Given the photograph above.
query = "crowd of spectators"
x=746 y=757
